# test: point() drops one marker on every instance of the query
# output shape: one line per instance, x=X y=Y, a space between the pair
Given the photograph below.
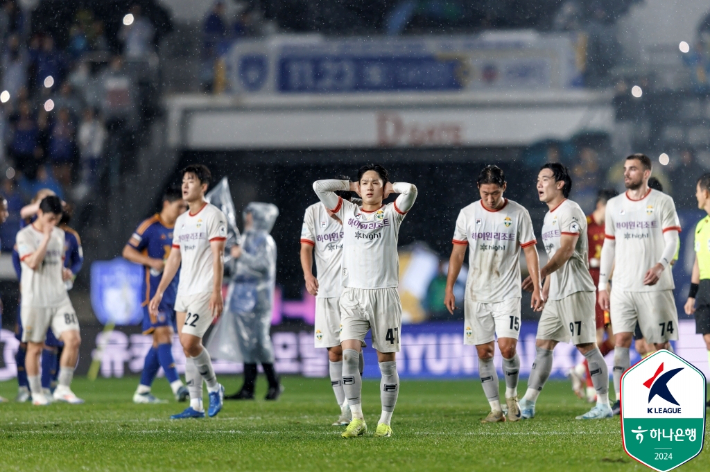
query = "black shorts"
x=702 y=308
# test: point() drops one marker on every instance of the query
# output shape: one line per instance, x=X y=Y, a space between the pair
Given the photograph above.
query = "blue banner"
x=116 y=291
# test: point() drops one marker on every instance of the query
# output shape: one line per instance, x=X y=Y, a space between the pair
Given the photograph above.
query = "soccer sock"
x=352 y=382
x=622 y=362
x=336 y=380
x=600 y=375
x=66 y=374
x=489 y=380
x=21 y=372
x=194 y=384
x=249 y=378
x=165 y=358
x=204 y=367
x=35 y=384
x=49 y=367
x=541 y=369
x=511 y=369
x=270 y=374
x=361 y=363
x=389 y=389
x=150 y=369
x=606 y=347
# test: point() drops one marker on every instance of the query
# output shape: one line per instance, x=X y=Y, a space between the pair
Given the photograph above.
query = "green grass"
x=436 y=427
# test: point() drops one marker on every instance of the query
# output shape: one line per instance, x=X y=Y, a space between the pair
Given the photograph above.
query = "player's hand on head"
x=216 y=304
x=528 y=285
x=388 y=189
x=603 y=299
x=450 y=302
x=235 y=251
x=312 y=285
x=690 y=307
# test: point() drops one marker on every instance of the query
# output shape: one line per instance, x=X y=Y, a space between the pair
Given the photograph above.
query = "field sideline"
x=436 y=427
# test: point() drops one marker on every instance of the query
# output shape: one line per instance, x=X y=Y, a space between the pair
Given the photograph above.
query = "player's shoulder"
x=215 y=212
x=24 y=231
x=471 y=208
x=702 y=224
x=571 y=207
x=619 y=199
x=314 y=209
x=514 y=207
x=71 y=233
x=661 y=196
x=147 y=224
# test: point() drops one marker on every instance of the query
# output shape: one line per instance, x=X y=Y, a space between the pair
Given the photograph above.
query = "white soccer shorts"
x=484 y=321
x=37 y=320
x=198 y=315
x=655 y=313
x=379 y=310
x=571 y=319
x=327 y=325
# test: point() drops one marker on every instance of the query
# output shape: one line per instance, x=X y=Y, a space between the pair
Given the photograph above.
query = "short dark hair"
x=704 y=181
x=491 y=174
x=172 y=194
x=51 y=204
x=67 y=213
x=643 y=158
x=561 y=174
x=384 y=175
x=655 y=184
x=201 y=171
x=606 y=194
x=345 y=194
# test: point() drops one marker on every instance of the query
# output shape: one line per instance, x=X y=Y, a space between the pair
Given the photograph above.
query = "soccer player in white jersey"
x=198 y=249
x=45 y=302
x=494 y=229
x=370 y=276
x=322 y=237
x=569 y=314
x=641 y=237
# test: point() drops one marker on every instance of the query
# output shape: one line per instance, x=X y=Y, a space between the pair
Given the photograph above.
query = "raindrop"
x=49 y=105
x=10 y=173
x=684 y=47
x=128 y=19
x=4 y=96
x=49 y=81
x=636 y=91
x=664 y=159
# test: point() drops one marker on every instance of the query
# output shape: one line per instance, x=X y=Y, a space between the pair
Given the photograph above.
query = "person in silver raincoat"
x=251 y=295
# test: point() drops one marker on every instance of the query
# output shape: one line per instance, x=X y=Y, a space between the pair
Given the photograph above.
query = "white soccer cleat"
x=147 y=397
x=64 y=394
x=345 y=416
x=597 y=413
x=40 y=400
x=23 y=395
x=47 y=394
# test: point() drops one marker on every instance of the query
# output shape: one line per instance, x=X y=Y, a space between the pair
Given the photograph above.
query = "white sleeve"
x=407 y=196
x=671 y=239
x=25 y=245
x=308 y=230
x=461 y=233
x=607 y=262
x=325 y=190
x=669 y=216
x=217 y=227
x=526 y=233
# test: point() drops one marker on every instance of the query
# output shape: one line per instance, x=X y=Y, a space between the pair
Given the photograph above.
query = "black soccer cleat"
x=240 y=395
x=616 y=408
x=274 y=393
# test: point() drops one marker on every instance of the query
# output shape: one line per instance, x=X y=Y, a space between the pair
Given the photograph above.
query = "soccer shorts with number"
x=571 y=319
x=327 y=325
x=655 y=313
x=484 y=321
x=37 y=320
x=379 y=310
x=198 y=315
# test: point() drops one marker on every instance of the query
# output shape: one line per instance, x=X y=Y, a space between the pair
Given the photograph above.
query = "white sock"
x=196 y=404
x=175 y=386
x=511 y=392
x=386 y=417
x=495 y=405
x=35 y=384
x=357 y=411
x=204 y=368
x=66 y=374
x=143 y=389
x=603 y=399
x=531 y=395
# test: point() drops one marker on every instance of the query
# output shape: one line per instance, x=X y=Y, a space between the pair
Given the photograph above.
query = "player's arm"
x=562 y=255
x=172 y=264
x=546 y=287
x=34 y=259
x=458 y=252
x=325 y=189
x=670 y=236
x=694 y=282
x=407 y=195
x=605 y=267
x=28 y=211
x=531 y=259
x=216 y=302
x=307 y=266
x=132 y=251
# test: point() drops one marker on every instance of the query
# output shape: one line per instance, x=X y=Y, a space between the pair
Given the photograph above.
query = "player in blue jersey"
x=150 y=246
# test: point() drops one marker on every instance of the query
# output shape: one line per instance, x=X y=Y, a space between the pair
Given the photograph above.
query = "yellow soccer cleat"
x=355 y=428
x=383 y=431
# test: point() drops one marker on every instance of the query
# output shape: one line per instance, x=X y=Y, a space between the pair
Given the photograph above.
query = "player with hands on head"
x=569 y=314
x=198 y=252
x=494 y=229
x=370 y=276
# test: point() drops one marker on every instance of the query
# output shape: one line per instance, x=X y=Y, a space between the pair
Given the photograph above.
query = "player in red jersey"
x=595 y=236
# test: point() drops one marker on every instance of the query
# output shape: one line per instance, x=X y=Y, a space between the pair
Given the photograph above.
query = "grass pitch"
x=436 y=427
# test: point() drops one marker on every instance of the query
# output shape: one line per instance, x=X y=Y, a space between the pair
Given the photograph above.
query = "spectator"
x=42 y=180
x=78 y=43
x=97 y=39
x=14 y=67
x=137 y=36
x=434 y=302
x=48 y=62
x=684 y=176
x=92 y=136
x=68 y=99
x=62 y=147
x=24 y=143
x=214 y=30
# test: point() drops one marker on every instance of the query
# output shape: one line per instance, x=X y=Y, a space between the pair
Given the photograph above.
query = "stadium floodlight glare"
x=128 y=19
x=636 y=91
x=4 y=96
x=684 y=47
x=10 y=173
x=49 y=81
x=49 y=105
x=664 y=159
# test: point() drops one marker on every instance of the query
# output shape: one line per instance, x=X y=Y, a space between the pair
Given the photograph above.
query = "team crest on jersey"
x=507 y=222
x=319 y=335
x=649 y=210
x=469 y=332
x=162 y=236
x=340 y=330
x=554 y=220
x=199 y=223
x=380 y=215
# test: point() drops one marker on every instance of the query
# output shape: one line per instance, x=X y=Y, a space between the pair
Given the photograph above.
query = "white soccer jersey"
x=637 y=226
x=495 y=238
x=44 y=286
x=193 y=234
x=567 y=218
x=325 y=234
x=370 y=258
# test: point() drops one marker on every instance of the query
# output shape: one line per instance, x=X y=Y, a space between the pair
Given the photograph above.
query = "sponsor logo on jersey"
x=323 y=224
x=489 y=236
x=649 y=210
x=507 y=222
x=329 y=237
x=319 y=335
x=478 y=222
x=574 y=228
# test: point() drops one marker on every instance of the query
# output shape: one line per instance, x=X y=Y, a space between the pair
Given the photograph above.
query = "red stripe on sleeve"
x=461 y=243
x=176 y=246
x=337 y=207
x=308 y=241
x=529 y=243
x=672 y=228
x=608 y=236
x=398 y=210
x=570 y=234
x=26 y=256
x=218 y=238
